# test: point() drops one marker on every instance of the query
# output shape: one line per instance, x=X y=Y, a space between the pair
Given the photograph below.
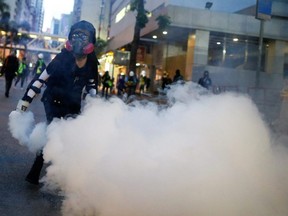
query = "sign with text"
x=263 y=9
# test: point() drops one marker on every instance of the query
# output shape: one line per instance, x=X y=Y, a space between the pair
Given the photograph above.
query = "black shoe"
x=32 y=181
x=34 y=174
x=6 y=95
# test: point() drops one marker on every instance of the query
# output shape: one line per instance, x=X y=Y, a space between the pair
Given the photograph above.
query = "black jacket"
x=66 y=82
x=10 y=66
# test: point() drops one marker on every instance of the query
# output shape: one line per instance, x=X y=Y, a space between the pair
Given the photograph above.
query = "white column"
x=201 y=48
x=275 y=57
x=197 y=52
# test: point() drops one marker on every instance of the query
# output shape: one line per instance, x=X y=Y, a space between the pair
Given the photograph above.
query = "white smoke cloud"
x=202 y=155
x=23 y=128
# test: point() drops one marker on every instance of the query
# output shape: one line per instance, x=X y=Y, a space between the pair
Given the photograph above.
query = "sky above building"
x=54 y=8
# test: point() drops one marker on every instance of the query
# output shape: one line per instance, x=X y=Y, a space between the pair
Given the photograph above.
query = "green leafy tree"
x=163 y=21
x=4 y=22
x=25 y=26
x=3 y=7
x=141 y=21
x=4 y=15
x=100 y=46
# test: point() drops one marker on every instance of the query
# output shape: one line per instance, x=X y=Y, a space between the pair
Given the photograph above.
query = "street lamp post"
x=260 y=51
x=263 y=12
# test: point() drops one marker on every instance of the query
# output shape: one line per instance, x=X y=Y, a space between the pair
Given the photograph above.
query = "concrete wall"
x=226 y=22
x=218 y=5
x=266 y=95
x=200 y=19
x=280 y=8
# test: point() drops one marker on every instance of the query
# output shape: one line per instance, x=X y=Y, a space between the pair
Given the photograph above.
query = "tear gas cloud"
x=203 y=155
x=23 y=128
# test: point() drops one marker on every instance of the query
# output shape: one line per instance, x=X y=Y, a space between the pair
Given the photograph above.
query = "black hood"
x=85 y=25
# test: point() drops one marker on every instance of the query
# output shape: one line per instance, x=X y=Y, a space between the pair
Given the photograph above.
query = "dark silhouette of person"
x=9 y=69
x=166 y=81
x=120 y=84
x=130 y=83
x=148 y=82
x=205 y=81
x=106 y=84
x=177 y=77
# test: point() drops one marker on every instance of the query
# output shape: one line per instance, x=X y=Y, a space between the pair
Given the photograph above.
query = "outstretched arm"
x=32 y=91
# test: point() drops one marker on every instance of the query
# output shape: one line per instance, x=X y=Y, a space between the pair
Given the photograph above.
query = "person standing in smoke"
x=65 y=77
x=10 y=68
x=205 y=81
x=120 y=84
x=178 y=77
x=106 y=84
x=166 y=81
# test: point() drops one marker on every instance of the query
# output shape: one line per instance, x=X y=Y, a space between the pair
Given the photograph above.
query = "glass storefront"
x=235 y=51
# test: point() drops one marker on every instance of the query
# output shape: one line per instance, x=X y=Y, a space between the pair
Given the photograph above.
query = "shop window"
x=233 y=52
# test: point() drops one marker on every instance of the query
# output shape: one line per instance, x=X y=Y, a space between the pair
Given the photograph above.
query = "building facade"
x=227 y=35
x=29 y=11
x=37 y=15
x=223 y=37
x=95 y=11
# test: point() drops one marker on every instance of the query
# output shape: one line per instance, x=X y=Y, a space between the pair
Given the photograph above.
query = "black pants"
x=35 y=171
x=105 y=91
x=52 y=110
x=131 y=90
x=8 y=85
x=20 y=78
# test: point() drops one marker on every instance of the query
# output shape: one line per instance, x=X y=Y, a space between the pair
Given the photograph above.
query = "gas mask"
x=79 y=43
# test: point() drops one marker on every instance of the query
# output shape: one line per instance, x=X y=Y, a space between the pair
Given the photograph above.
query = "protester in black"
x=71 y=71
x=166 y=81
x=120 y=84
x=106 y=84
x=9 y=69
x=178 y=76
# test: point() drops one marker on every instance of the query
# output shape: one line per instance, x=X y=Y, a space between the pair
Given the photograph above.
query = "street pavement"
x=18 y=197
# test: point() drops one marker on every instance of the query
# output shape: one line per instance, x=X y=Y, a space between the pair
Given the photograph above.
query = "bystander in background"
x=22 y=73
x=205 y=81
x=178 y=77
x=9 y=69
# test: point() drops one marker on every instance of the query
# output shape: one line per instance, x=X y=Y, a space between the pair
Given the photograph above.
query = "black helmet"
x=84 y=25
